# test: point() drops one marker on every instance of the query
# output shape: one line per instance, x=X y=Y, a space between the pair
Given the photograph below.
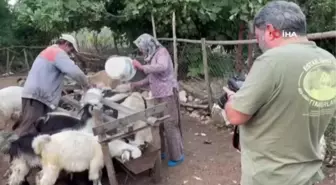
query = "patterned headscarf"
x=148 y=45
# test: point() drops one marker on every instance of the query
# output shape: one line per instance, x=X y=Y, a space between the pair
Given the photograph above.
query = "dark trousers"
x=31 y=111
x=170 y=130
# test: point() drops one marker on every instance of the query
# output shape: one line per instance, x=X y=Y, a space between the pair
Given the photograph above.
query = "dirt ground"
x=216 y=163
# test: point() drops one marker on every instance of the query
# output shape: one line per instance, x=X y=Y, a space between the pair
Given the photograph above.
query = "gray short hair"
x=283 y=15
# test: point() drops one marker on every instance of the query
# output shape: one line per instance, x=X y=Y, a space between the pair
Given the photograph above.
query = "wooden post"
x=7 y=61
x=115 y=44
x=97 y=113
x=175 y=44
x=239 y=54
x=153 y=25
x=157 y=165
x=206 y=72
x=26 y=59
x=250 y=51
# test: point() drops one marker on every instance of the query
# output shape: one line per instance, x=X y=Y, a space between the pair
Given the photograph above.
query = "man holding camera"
x=286 y=102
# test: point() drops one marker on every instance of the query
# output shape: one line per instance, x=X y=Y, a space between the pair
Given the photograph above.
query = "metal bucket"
x=121 y=68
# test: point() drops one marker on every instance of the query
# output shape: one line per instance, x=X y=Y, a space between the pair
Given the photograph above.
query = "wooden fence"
x=27 y=57
x=204 y=43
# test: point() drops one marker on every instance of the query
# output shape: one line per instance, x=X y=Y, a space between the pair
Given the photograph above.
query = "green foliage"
x=6 y=37
x=245 y=10
x=58 y=16
x=40 y=20
x=321 y=16
x=220 y=63
x=100 y=42
x=194 y=18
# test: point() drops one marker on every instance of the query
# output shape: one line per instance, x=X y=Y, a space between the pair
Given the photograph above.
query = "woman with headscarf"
x=163 y=85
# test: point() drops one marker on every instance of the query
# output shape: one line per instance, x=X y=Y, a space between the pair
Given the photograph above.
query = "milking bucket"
x=120 y=67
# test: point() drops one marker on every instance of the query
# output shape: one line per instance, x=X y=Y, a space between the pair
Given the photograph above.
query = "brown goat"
x=101 y=79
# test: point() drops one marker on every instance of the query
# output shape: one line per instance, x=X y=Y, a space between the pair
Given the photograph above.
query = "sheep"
x=10 y=105
x=102 y=80
x=73 y=151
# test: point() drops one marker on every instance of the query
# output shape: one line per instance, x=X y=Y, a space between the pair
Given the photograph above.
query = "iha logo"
x=277 y=34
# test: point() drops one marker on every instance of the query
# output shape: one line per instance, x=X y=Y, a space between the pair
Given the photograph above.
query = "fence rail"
x=205 y=63
x=312 y=36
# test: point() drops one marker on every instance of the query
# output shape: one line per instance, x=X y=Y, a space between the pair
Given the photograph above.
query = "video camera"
x=234 y=84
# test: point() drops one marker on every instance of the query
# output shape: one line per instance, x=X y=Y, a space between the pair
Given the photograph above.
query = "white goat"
x=124 y=150
x=21 y=81
x=73 y=151
x=117 y=148
x=10 y=104
x=136 y=102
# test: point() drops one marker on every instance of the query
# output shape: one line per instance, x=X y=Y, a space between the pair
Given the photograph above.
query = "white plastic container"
x=120 y=67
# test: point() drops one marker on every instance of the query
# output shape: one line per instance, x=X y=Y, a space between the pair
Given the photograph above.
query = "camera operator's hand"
x=228 y=92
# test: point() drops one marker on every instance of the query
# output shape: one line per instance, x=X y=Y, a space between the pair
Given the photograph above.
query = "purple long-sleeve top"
x=160 y=78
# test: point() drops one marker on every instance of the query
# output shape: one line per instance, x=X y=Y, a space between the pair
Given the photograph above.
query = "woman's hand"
x=137 y=64
x=133 y=86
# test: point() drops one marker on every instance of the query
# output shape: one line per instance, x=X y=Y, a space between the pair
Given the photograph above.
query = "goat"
x=73 y=151
x=116 y=147
x=137 y=102
x=10 y=105
x=20 y=149
x=21 y=81
x=102 y=80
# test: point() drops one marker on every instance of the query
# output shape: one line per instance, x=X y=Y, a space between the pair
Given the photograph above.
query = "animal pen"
x=107 y=129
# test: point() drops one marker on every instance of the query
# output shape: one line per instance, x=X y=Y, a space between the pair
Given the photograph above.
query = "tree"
x=59 y=16
x=6 y=37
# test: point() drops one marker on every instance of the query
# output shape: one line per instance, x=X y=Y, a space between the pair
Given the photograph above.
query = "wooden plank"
x=129 y=119
x=117 y=106
x=77 y=105
x=156 y=171
x=107 y=157
x=143 y=163
x=118 y=136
